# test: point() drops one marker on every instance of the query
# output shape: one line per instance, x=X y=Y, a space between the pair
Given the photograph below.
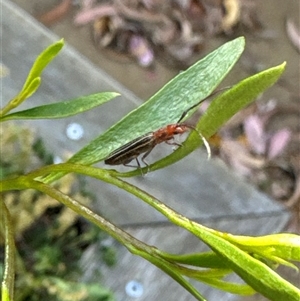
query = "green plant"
x=52 y=236
x=240 y=254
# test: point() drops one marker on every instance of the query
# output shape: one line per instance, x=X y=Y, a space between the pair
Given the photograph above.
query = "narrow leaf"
x=214 y=277
x=252 y=271
x=222 y=109
x=204 y=260
x=30 y=89
x=33 y=79
x=235 y=99
x=42 y=61
x=168 y=269
x=64 y=108
x=284 y=245
x=230 y=287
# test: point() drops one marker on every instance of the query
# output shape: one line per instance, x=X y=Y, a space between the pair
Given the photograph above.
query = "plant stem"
x=9 y=260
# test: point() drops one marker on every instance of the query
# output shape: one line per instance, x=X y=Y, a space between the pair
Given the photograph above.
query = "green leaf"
x=173 y=273
x=276 y=247
x=64 y=108
x=167 y=105
x=230 y=287
x=284 y=245
x=212 y=277
x=258 y=275
x=204 y=260
x=275 y=260
x=238 y=97
x=42 y=61
x=31 y=88
x=205 y=273
x=33 y=79
x=221 y=110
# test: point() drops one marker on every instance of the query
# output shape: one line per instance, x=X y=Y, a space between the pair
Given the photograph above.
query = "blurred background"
x=135 y=47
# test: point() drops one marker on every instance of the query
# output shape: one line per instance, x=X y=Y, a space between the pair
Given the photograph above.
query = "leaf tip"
x=241 y=40
x=59 y=44
x=61 y=41
x=283 y=65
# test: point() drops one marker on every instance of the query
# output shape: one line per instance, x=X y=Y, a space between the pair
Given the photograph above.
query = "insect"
x=145 y=143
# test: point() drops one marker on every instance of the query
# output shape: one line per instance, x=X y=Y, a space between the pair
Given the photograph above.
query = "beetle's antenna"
x=207 y=146
x=197 y=104
x=204 y=140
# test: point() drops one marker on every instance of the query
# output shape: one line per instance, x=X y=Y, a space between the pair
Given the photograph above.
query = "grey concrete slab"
x=203 y=190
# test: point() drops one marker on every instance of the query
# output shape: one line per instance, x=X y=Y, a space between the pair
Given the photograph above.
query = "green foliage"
x=221 y=110
x=64 y=108
x=167 y=105
x=33 y=80
x=245 y=256
x=48 y=249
